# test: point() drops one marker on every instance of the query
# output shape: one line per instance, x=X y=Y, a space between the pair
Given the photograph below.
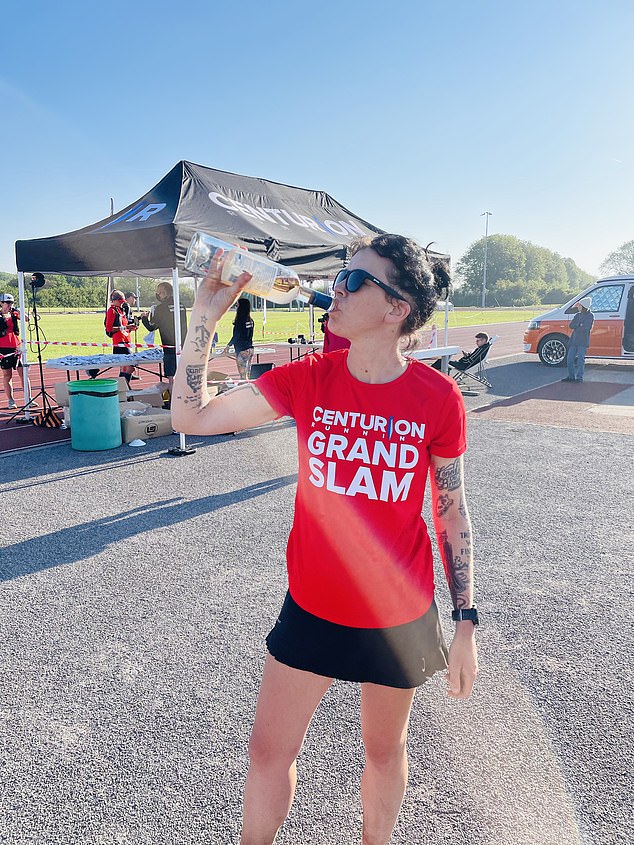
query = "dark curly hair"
x=420 y=279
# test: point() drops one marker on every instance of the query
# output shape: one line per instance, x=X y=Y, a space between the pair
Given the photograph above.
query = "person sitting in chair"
x=469 y=359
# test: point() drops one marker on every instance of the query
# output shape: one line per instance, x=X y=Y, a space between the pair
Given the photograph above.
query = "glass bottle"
x=272 y=281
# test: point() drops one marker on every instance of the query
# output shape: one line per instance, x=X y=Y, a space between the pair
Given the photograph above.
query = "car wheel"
x=552 y=350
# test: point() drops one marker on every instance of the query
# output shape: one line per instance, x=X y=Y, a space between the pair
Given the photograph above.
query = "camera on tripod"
x=47 y=418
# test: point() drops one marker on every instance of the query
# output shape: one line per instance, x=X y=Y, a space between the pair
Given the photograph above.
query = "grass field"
x=87 y=327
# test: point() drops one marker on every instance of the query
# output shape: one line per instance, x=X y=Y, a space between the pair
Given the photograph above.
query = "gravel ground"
x=136 y=592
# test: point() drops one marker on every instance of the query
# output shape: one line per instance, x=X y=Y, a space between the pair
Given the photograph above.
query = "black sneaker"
x=135 y=378
x=567 y=379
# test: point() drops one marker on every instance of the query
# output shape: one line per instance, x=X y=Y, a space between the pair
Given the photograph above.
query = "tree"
x=620 y=262
x=518 y=273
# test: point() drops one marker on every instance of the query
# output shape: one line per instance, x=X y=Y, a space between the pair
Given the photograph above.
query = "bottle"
x=269 y=280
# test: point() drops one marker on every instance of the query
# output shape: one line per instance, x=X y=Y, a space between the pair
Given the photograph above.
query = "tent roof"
x=307 y=230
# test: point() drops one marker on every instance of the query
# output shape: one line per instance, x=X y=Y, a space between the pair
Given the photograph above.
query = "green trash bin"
x=95 y=422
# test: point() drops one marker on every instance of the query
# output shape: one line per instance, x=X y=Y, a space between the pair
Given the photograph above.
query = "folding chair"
x=477 y=372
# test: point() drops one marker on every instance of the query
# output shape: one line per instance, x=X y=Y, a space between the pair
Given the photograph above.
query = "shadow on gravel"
x=82 y=541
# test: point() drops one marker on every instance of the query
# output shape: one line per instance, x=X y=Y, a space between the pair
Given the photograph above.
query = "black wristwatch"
x=468 y=613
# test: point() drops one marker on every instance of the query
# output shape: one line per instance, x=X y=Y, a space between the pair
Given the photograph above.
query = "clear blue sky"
x=417 y=116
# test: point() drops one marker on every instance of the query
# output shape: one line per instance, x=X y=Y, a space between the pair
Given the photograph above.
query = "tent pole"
x=25 y=363
x=182 y=448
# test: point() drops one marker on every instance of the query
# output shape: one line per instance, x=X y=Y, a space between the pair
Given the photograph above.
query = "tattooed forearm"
x=458 y=571
x=443 y=504
x=201 y=336
x=449 y=477
x=194 y=375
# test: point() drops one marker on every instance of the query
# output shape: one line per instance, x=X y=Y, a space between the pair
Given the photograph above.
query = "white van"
x=612 y=334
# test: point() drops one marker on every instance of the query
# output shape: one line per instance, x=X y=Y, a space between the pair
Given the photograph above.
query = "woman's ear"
x=399 y=311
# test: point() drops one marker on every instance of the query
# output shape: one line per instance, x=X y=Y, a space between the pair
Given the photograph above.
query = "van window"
x=605 y=298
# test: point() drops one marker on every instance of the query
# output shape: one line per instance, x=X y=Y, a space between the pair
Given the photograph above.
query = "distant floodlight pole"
x=486 y=215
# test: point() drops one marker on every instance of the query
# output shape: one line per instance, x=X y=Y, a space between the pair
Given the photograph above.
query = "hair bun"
x=442 y=278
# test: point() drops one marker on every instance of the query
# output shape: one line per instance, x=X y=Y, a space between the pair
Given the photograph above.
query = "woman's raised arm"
x=193 y=410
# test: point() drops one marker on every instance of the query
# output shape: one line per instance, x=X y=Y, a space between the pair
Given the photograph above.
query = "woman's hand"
x=214 y=296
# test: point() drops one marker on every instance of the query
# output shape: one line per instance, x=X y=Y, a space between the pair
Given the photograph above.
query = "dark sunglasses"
x=354 y=279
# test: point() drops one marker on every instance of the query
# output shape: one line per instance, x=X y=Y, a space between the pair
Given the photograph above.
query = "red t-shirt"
x=359 y=553
x=10 y=340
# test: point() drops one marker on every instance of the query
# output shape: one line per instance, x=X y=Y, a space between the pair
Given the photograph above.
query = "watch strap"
x=469 y=614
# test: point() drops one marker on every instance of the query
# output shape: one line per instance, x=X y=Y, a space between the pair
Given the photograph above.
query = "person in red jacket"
x=10 y=346
x=118 y=328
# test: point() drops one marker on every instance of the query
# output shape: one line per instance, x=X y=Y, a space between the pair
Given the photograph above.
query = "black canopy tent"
x=303 y=229
x=306 y=230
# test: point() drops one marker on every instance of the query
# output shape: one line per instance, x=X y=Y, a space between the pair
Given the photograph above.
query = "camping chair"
x=477 y=372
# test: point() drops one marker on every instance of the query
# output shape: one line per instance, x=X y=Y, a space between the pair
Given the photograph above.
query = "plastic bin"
x=94 y=410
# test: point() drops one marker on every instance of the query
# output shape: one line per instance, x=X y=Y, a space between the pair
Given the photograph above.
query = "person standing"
x=162 y=318
x=118 y=328
x=242 y=338
x=128 y=306
x=10 y=346
x=371 y=426
x=581 y=325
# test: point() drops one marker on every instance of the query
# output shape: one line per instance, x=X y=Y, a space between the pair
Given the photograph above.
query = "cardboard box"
x=150 y=395
x=153 y=423
x=140 y=407
x=61 y=391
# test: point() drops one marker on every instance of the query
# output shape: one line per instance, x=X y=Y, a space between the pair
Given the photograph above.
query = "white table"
x=298 y=350
x=257 y=351
x=444 y=352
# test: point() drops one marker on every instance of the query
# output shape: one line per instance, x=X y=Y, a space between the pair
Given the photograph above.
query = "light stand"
x=47 y=418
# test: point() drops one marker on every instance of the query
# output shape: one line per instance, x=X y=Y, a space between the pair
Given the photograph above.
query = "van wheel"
x=552 y=350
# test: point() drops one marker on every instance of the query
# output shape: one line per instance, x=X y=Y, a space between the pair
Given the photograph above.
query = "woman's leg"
x=240 y=363
x=6 y=382
x=286 y=703
x=247 y=363
x=384 y=720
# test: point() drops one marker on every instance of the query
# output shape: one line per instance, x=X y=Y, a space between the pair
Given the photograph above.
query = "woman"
x=242 y=338
x=10 y=347
x=118 y=328
x=370 y=425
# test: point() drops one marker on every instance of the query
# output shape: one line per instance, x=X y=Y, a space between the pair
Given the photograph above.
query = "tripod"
x=48 y=417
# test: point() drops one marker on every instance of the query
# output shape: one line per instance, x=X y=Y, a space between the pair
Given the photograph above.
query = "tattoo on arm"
x=448 y=477
x=201 y=336
x=457 y=568
x=443 y=504
x=247 y=386
x=194 y=375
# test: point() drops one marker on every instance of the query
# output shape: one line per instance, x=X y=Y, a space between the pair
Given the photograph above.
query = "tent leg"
x=182 y=448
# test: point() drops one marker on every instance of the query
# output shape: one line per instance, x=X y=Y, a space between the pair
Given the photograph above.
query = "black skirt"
x=403 y=656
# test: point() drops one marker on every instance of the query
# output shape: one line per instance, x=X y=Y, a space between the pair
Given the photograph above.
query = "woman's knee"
x=266 y=751
x=384 y=754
